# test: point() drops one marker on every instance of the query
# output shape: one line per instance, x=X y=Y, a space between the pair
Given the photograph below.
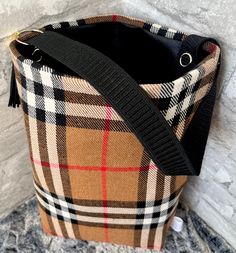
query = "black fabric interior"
x=147 y=57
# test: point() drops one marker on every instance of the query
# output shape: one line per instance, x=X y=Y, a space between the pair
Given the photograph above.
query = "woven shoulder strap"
x=126 y=97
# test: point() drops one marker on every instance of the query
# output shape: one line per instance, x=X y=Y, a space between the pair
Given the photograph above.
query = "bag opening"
x=147 y=57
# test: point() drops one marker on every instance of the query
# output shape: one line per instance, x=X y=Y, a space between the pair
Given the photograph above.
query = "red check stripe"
x=114 y=18
x=94 y=168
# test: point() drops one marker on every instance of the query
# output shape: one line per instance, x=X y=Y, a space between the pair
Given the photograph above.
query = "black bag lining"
x=147 y=57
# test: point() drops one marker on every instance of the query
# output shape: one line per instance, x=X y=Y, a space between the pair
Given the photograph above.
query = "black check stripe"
x=41 y=92
x=64 y=209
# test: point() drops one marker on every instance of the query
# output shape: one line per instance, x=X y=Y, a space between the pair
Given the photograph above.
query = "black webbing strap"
x=125 y=95
x=195 y=138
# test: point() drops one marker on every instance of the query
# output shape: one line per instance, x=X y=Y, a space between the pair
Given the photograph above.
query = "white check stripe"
x=71 y=109
x=170 y=33
x=46 y=78
x=150 y=195
x=28 y=71
x=51 y=138
x=98 y=112
x=73 y=23
x=90 y=111
x=155 y=28
x=33 y=132
x=189 y=100
x=112 y=221
x=56 y=25
x=174 y=88
x=110 y=210
x=31 y=102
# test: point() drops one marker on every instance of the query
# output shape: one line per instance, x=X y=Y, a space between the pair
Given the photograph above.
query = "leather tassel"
x=14 y=99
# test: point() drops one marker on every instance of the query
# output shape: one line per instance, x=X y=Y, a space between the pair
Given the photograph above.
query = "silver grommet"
x=182 y=57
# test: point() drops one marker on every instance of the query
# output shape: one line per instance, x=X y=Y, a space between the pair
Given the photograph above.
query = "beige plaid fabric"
x=93 y=178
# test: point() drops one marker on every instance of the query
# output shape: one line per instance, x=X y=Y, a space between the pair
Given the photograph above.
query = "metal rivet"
x=181 y=59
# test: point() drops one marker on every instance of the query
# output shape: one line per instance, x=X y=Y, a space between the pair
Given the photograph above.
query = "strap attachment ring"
x=18 y=34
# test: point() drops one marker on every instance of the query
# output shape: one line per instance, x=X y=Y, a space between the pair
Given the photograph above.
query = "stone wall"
x=15 y=169
x=213 y=194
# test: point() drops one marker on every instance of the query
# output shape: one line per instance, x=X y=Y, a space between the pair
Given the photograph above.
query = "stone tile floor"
x=20 y=232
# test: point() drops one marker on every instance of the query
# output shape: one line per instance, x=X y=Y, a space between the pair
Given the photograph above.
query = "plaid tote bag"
x=117 y=113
